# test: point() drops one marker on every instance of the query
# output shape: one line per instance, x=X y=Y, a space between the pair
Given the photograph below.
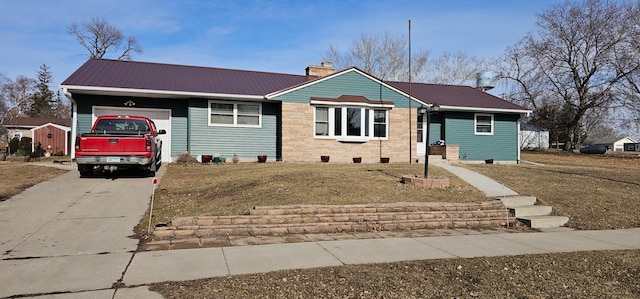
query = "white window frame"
x=235 y=114
x=347 y=138
x=386 y=123
x=476 y=124
x=328 y=121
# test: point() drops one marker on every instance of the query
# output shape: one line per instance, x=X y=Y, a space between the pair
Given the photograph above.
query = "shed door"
x=161 y=117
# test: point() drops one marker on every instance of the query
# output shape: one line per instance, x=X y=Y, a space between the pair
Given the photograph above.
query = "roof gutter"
x=479 y=109
x=165 y=93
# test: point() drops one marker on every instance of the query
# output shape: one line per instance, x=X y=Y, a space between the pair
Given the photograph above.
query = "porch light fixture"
x=426 y=111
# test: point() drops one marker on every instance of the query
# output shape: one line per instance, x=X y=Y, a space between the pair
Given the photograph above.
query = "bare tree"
x=16 y=100
x=386 y=58
x=100 y=38
x=584 y=57
x=457 y=68
x=382 y=56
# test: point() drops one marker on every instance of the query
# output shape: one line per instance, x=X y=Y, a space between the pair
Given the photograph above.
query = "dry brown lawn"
x=234 y=189
x=15 y=177
x=608 y=274
x=594 y=191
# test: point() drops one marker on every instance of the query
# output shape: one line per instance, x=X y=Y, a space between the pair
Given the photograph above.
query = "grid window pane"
x=354 y=121
x=219 y=108
x=380 y=123
x=337 y=128
x=248 y=109
x=222 y=119
x=322 y=121
x=248 y=120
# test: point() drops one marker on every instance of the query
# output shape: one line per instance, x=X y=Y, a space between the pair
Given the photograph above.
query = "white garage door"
x=162 y=118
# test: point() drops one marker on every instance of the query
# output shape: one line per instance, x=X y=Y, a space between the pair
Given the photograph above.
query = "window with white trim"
x=351 y=122
x=484 y=124
x=322 y=121
x=235 y=114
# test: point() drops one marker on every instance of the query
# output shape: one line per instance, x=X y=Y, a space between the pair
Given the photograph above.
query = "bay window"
x=351 y=123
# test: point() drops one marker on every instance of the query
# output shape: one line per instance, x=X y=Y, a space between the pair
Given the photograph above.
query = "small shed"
x=53 y=139
x=533 y=137
x=612 y=143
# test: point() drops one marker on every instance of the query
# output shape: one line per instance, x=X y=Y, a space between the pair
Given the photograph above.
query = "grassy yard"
x=234 y=189
x=611 y=274
x=16 y=176
x=595 y=191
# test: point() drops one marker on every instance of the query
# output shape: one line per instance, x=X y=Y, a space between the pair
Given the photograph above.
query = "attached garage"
x=161 y=117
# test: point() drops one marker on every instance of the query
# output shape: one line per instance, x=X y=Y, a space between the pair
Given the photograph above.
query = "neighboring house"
x=532 y=137
x=19 y=127
x=611 y=143
x=293 y=117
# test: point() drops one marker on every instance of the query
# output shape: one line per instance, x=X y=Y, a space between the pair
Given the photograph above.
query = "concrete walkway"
x=188 y=264
x=490 y=187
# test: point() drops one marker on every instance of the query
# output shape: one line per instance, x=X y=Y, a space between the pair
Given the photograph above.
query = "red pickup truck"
x=119 y=142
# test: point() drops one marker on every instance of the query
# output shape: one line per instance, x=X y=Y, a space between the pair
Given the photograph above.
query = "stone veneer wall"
x=299 y=144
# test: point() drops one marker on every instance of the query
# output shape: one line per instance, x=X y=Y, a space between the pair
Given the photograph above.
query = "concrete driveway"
x=72 y=237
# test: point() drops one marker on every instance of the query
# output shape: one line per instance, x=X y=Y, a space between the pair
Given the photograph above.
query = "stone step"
x=375 y=208
x=165 y=233
x=531 y=210
x=544 y=221
x=200 y=221
x=517 y=200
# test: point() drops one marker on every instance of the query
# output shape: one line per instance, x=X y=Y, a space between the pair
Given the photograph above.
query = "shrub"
x=186 y=158
x=24 y=146
x=13 y=145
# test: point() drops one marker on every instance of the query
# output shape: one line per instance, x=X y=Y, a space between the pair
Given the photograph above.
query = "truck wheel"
x=85 y=170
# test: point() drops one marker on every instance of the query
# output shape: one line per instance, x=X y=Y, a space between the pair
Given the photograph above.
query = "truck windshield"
x=119 y=126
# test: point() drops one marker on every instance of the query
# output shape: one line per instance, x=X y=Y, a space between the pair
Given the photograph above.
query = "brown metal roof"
x=455 y=95
x=171 y=77
x=31 y=122
x=105 y=73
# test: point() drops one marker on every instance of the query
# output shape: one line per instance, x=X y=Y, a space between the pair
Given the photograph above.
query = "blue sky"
x=282 y=36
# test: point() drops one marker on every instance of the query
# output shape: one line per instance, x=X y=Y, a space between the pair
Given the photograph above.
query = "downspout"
x=74 y=122
x=519 y=145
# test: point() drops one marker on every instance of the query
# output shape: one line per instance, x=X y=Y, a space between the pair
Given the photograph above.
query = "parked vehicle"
x=119 y=142
x=593 y=149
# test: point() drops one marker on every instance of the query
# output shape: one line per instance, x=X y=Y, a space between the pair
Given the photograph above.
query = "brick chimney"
x=314 y=71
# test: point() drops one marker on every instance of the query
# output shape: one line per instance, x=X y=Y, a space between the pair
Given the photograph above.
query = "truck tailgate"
x=112 y=145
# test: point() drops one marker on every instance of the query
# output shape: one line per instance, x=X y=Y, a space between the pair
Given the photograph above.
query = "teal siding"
x=435 y=128
x=178 y=115
x=247 y=143
x=459 y=128
x=350 y=83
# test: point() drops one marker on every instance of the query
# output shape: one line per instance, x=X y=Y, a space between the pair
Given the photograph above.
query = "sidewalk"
x=189 y=264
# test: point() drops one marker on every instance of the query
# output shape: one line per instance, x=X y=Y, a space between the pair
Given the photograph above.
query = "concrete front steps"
x=526 y=211
x=318 y=219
